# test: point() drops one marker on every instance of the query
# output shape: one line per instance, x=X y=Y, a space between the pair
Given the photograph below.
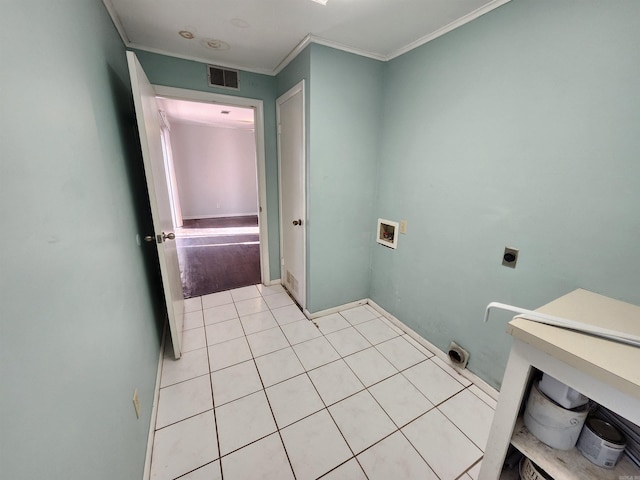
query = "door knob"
x=149 y=238
x=168 y=236
x=297 y=222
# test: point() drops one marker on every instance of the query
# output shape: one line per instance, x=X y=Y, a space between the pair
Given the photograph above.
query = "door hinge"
x=279 y=128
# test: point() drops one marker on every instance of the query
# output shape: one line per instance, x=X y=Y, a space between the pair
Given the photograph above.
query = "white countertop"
x=613 y=363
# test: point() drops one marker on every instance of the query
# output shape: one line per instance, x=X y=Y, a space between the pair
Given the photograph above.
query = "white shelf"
x=602 y=370
x=567 y=464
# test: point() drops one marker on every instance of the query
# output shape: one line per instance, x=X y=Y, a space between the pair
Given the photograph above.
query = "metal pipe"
x=538 y=317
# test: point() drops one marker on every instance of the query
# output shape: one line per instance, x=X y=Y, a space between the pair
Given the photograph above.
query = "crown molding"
x=309 y=39
x=128 y=44
x=306 y=41
x=115 y=18
x=345 y=48
x=447 y=28
x=292 y=55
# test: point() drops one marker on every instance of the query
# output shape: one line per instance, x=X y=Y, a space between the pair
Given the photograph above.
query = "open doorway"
x=211 y=162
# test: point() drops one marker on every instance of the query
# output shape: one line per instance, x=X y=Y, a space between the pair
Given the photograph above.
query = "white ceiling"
x=261 y=34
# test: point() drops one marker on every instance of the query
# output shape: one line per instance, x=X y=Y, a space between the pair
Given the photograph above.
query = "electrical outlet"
x=403 y=226
x=136 y=402
x=510 y=257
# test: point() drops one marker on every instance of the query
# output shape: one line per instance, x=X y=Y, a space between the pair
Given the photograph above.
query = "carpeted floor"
x=218 y=254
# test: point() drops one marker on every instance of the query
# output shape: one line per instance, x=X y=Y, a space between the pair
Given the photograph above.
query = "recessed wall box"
x=510 y=257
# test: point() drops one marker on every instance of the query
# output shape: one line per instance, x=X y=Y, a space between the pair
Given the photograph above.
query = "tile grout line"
x=414 y=447
x=213 y=400
x=455 y=425
x=354 y=457
x=264 y=389
x=398 y=429
x=366 y=388
x=183 y=381
x=492 y=407
x=326 y=407
x=319 y=396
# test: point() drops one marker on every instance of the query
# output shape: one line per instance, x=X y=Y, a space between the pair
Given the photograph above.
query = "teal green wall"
x=187 y=74
x=77 y=329
x=297 y=70
x=342 y=132
x=520 y=129
x=344 y=120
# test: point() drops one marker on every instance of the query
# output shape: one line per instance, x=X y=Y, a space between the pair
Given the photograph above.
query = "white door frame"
x=299 y=87
x=257 y=105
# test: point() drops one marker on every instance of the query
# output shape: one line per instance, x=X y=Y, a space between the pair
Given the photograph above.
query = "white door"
x=291 y=162
x=144 y=98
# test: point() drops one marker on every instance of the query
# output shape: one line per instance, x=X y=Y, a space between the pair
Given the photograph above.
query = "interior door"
x=151 y=142
x=291 y=162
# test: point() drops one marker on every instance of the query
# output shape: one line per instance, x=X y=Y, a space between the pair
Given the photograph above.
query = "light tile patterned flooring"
x=263 y=393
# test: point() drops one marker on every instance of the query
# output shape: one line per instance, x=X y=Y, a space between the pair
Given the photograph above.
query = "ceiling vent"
x=223 y=77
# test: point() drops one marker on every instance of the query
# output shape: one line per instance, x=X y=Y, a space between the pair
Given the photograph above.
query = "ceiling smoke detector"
x=186 y=34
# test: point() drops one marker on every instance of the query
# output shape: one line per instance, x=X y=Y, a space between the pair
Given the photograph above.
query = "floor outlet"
x=458 y=355
x=136 y=402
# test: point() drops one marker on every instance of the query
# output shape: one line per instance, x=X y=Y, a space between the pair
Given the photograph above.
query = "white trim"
x=277 y=281
x=306 y=41
x=337 y=309
x=115 y=18
x=447 y=28
x=292 y=55
x=258 y=106
x=297 y=88
x=154 y=410
x=198 y=217
x=346 y=48
x=309 y=39
x=262 y=191
x=209 y=97
x=481 y=384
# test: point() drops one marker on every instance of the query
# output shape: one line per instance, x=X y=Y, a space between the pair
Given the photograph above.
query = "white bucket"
x=550 y=423
x=560 y=393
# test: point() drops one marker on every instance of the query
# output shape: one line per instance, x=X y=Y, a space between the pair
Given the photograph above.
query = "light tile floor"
x=263 y=393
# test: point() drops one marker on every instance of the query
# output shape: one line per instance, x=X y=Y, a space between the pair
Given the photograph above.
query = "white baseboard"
x=268 y=283
x=482 y=385
x=146 y=475
x=329 y=311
